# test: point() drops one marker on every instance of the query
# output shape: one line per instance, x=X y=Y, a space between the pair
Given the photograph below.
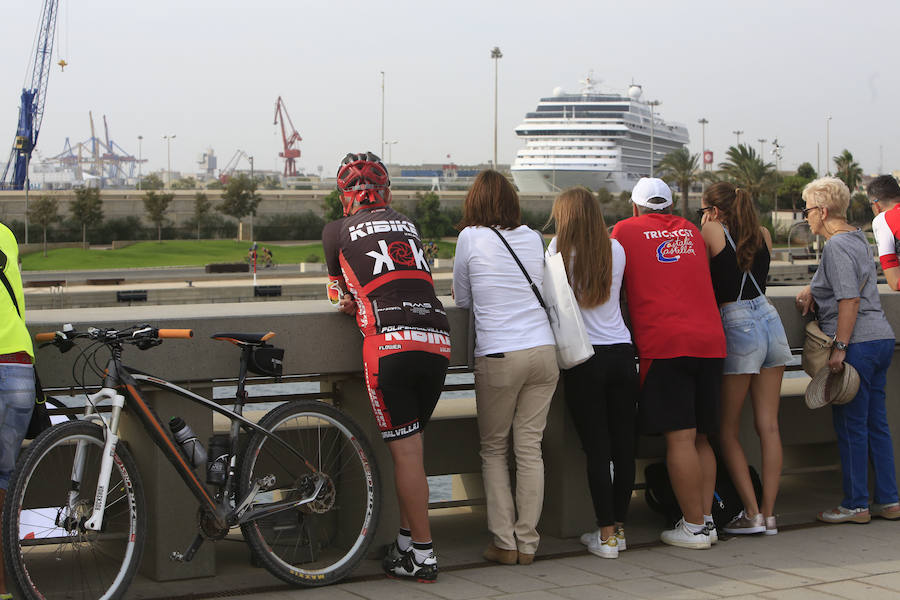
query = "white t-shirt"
x=885 y=226
x=604 y=322
x=487 y=279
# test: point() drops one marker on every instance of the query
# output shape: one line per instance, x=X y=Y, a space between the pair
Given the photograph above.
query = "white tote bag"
x=572 y=344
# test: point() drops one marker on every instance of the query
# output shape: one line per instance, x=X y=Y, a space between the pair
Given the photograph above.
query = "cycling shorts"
x=404 y=378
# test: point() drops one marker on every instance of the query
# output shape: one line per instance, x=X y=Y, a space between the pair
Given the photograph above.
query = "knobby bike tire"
x=320 y=543
x=44 y=547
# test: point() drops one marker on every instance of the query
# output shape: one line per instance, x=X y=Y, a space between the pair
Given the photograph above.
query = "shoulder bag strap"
x=6 y=284
x=534 y=288
x=744 y=278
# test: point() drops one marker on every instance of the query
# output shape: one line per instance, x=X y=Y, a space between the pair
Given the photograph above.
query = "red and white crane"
x=290 y=140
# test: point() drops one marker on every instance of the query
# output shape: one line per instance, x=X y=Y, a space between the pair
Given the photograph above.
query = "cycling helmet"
x=363 y=182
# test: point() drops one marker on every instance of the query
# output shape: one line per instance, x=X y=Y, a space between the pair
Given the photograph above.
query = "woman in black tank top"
x=739 y=255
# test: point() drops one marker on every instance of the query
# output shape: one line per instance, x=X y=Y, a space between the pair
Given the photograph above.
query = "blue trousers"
x=16 y=404
x=862 y=428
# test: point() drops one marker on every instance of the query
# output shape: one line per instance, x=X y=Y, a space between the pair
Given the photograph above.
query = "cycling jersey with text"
x=886 y=227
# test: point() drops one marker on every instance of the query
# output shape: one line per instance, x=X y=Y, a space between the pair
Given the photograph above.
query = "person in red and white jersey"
x=884 y=198
x=378 y=272
x=681 y=346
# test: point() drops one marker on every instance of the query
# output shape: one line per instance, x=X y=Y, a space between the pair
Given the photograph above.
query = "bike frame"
x=119 y=376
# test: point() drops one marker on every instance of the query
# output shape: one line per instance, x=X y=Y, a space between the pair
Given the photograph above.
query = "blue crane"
x=34 y=95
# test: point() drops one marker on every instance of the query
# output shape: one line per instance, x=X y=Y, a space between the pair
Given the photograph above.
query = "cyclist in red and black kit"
x=378 y=271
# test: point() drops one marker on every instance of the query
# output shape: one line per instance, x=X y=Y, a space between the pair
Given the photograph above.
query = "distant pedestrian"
x=845 y=292
x=602 y=392
x=884 y=198
x=739 y=255
x=515 y=360
x=17 y=391
x=681 y=344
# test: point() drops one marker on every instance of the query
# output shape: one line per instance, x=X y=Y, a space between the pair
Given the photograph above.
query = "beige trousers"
x=513 y=396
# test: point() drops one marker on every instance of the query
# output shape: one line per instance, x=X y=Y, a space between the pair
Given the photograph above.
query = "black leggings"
x=601 y=395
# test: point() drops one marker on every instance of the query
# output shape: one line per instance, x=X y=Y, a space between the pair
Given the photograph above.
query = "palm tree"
x=745 y=169
x=680 y=167
x=848 y=170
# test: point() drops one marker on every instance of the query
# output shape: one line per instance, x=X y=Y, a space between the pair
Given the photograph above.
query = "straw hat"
x=832 y=388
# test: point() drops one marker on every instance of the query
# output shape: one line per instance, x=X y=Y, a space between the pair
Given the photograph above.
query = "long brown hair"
x=740 y=217
x=491 y=201
x=582 y=239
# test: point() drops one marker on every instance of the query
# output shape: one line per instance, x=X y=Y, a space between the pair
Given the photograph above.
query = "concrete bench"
x=105 y=281
x=46 y=283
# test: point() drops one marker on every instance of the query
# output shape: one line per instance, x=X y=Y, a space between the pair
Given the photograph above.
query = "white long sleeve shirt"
x=487 y=280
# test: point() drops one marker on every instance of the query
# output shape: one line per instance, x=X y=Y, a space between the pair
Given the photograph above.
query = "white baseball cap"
x=651 y=187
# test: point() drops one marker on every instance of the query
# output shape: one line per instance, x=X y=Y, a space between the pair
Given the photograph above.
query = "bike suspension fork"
x=95 y=521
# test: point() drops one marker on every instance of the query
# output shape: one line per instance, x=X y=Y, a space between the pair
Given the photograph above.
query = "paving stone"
x=559 y=573
x=804 y=568
x=510 y=580
x=760 y=576
x=655 y=589
x=803 y=593
x=713 y=584
x=722 y=554
x=662 y=562
x=538 y=595
x=453 y=587
x=593 y=592
x=389 y=589
x=890 y=581
x=857 y=590
x=617 y=569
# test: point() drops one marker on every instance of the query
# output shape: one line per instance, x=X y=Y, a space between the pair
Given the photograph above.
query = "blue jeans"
x=862 y=428
x=16 y=404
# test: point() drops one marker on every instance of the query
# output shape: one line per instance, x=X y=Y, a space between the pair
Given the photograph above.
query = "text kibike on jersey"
x=370 y=227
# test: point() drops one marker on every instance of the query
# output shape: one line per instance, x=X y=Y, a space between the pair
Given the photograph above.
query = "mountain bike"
x=302 y=483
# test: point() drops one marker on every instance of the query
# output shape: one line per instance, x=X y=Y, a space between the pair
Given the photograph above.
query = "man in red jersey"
x=378 y=272
x=680 y=341
x=884 y=198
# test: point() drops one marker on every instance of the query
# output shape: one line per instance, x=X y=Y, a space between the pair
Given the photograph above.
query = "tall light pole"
x=140 y=157
x=737 y=133
x=761 y=141
x=652 y=104
x=496 y=55
x=390 y=146
x=828 y=144
x=168 y=139
x=703 y=123
x=382 y=113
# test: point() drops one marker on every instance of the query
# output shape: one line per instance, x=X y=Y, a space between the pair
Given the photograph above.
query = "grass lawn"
x=175 y=253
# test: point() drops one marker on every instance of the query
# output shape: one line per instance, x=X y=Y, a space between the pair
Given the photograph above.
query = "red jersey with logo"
x=669 y=289
x=886 y=227
x=380 y=257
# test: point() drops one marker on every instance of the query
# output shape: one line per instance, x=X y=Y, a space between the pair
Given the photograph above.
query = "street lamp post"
x=762 y=142
x=382 y=113
x=737 y=133
x=390 y=147
x=168 y=139
x=496 y=55
x=828 y=144
x=652 y=104
x=140 y=160
x=703 y=123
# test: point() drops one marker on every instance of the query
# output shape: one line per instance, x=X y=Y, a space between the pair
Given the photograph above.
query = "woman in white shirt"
x=515 y=359
x=600 y=392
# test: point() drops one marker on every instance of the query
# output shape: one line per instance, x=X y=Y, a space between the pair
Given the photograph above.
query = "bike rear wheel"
x=320 y=542
x=46 y=547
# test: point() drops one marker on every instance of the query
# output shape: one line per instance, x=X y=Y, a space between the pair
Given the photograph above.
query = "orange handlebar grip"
x=176 y=333
x=45 y=337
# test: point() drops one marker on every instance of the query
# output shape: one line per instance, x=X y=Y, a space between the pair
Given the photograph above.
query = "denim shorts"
x=16 y=404
x=755 y=336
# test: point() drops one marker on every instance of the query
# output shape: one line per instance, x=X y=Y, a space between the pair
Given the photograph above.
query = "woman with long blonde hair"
x=601 y=392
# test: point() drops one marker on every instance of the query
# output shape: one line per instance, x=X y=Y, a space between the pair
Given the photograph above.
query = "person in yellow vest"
x=16 y=368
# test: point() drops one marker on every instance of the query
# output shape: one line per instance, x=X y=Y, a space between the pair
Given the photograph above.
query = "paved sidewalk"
x=818 y=562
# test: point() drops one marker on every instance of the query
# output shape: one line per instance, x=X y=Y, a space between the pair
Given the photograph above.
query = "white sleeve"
x=462 y=290
x=884 y=238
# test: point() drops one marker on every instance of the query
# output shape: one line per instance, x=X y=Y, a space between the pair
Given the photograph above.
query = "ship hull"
x=549 y=181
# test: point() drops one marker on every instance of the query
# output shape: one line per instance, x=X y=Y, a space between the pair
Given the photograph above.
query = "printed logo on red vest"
x=671 y=250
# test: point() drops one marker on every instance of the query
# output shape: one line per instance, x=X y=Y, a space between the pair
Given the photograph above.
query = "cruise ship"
x=594 y=139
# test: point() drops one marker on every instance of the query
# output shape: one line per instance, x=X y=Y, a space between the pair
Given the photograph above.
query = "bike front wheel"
x=46 y=546
x=319 y=542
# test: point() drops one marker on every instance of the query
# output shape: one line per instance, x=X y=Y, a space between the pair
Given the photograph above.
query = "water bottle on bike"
x=190 y=444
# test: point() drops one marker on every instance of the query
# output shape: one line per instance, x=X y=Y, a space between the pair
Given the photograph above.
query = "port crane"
x=226 y=173
x=34 y=96
x=290 y=153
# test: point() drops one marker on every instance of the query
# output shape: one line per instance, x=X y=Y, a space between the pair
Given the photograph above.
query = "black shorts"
x=404 y=388
x=680 y=393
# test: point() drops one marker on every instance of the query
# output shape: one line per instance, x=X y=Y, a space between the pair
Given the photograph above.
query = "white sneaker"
x=713 y=532
x=683 y=537
x=607 y=548
x=587 y=538
x=620 y=539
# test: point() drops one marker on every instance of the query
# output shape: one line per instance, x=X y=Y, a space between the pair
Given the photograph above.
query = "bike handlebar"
x=143 y=336
x=45 y=337
x=176 y=333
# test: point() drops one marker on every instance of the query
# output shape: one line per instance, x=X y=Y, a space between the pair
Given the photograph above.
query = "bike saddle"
x=244 y=339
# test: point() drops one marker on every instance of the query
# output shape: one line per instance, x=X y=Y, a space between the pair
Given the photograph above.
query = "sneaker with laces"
x=713 y=532
x=620 y=539
x=608 y=548
x=744 y=525
x=771 y=526
x=587 y=538
x=683 y=537
x=841 y=514
x=405 y=565
x=886 y=511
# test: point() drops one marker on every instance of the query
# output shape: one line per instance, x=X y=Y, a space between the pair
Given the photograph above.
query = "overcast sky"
x=210 y=72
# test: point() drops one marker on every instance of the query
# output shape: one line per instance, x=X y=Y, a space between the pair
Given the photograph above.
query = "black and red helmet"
x=363 y=182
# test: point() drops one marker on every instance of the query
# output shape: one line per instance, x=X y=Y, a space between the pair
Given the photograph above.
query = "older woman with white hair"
x=845 y=293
